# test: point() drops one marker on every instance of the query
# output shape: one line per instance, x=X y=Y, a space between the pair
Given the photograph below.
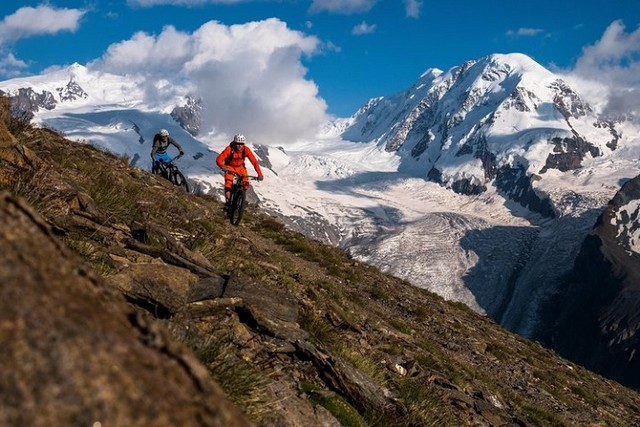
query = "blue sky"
x=338 y=52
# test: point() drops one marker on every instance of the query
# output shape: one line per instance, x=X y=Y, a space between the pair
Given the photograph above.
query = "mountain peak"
x=77 y=71
x=514 y=58
x=519 y=63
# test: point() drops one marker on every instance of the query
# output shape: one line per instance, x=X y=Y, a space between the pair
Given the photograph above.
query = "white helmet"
x=164 y=132
x=239 y=139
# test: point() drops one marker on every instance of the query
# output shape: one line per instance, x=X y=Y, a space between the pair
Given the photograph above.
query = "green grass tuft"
x=244 y=384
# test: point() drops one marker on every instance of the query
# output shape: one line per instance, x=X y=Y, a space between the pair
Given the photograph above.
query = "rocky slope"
x=115 y=282
x=74 y=350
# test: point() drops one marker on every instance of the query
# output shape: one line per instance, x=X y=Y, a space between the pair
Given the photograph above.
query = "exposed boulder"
x=160 y=288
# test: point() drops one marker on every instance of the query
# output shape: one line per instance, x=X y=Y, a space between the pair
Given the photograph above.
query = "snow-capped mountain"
x=502 y=120
x=478 y=183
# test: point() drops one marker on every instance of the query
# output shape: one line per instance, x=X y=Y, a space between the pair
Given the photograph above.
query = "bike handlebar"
x=224 y=171
x=171 y=160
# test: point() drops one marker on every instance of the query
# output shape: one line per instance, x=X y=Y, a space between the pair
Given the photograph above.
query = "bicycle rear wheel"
x=179 y=180
x=236 y=208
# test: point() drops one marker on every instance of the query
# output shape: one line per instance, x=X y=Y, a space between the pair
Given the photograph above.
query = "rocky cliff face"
x=25 y=102
x=125 y=299
x=598 y=320
x=189 y=115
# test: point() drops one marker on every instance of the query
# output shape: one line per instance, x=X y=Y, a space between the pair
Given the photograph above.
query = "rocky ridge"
x=294 y=332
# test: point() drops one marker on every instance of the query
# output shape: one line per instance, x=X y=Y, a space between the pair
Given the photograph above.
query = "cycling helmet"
x=239 y=139
x=164 y=132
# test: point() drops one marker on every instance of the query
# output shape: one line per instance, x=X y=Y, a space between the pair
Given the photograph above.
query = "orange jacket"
x=233 y=159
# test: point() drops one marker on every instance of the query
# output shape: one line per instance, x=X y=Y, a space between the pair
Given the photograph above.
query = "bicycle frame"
x=169 y=164
x=170 y=171
x=237 y=197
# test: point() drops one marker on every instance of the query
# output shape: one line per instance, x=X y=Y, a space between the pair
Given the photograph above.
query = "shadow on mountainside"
x=370 y=180
x=520 y=270
x=597 y=310
x=502 y=253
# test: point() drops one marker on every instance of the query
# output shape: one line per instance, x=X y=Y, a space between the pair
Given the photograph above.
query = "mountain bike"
x=170 y=171
x=237 y=199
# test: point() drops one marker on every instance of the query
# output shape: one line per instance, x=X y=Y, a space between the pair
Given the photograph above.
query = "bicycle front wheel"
x=237 y=207
x=180 y=180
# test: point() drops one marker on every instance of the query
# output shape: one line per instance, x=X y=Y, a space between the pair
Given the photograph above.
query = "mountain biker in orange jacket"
x=161 y=142
x=231 y=159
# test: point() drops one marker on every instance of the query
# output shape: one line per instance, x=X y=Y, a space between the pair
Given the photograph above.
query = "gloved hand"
x=181 y=153
x=260 y=178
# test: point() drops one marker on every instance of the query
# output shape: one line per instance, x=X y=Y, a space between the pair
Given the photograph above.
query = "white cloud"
x=525 y=32
x=331 y=47
x=413 y=8
x=363 y=28
x=342 y=6
x=614 y=48
x=250 y=76
x=33 y=21
x=614 y=61
x=10 y=65
x=144 y=53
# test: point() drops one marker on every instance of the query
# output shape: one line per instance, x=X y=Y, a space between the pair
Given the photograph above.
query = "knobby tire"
x=180 y=180
x=237 y=206
x=172 y=174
